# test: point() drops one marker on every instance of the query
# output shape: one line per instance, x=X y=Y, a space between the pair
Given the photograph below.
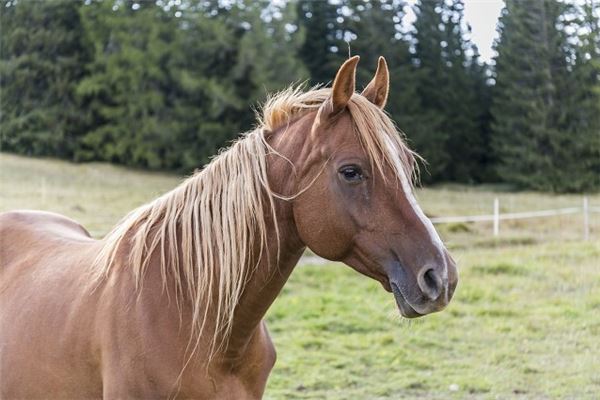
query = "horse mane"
x=207 y=229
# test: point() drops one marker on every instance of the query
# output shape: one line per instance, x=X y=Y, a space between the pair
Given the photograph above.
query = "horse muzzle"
x=428 y=290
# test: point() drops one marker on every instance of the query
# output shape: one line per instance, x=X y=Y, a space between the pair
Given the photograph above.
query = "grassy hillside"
x=98 y=195
x=524 y=323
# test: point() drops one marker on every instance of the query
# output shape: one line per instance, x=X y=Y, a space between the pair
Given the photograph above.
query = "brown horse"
x=170 y=303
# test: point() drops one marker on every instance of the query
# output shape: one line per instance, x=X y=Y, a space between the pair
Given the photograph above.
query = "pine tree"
x=128 y=82
x=482 y=165
x=266 y=59
x=462 y=111
x=428 y=135
x=206 y=108
x=376 y=29
x=42 y=56
x=582 y=140
x=450 y=81
x=324 y=48
x=244 y=53
x=528 y=107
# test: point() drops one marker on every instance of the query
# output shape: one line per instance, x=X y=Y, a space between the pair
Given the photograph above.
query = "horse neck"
x=274 y=270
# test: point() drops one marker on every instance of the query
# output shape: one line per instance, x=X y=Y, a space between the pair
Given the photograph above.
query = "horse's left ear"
x=377 y=90
x=344 y=84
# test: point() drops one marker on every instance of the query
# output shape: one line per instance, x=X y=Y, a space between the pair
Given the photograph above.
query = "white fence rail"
x=496 y=217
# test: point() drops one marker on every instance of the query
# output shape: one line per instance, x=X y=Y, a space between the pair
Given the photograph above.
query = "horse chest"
x=246 y=376
x=260 y=358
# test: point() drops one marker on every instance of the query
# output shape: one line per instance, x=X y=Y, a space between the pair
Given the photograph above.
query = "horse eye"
x=351 y=173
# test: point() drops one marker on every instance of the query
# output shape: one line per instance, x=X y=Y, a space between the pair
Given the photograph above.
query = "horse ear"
x=377 y=90
x=344 y=84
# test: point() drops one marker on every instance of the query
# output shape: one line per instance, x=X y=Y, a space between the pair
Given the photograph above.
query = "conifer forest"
x=163 y=84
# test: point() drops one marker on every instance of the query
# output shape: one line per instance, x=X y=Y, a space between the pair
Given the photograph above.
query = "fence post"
x=586 y=219
x=496 y=216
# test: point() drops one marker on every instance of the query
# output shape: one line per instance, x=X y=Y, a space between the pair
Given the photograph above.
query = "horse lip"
x=405 y=308
x=386 y=285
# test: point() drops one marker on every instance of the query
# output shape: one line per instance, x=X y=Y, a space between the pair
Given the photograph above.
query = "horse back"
x=23 y=233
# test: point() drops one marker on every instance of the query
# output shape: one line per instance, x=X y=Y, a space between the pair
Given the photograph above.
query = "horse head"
x=356 y=202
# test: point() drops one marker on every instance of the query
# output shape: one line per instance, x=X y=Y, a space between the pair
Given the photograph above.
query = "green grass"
x=524 y=323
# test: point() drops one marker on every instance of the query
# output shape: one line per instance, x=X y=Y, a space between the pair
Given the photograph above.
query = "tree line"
x=163 y=84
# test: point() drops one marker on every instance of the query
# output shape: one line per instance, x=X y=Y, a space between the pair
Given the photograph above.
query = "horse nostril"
x=430 y=283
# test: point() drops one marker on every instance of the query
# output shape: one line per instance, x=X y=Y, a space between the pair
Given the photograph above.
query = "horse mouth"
x=405 y=308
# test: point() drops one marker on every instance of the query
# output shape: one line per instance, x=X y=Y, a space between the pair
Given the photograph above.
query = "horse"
x=170 y=303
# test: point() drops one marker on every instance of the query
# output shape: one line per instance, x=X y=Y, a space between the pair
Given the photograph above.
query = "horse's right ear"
x=344 y=85
x=377 y=90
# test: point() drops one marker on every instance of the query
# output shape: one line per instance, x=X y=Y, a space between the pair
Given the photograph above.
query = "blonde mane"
x=207 y=230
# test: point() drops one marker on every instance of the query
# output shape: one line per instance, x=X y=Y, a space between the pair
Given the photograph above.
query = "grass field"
x=524 y=323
